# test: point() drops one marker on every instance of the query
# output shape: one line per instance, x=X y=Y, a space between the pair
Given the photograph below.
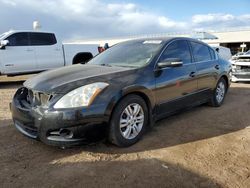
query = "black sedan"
x=124 y=89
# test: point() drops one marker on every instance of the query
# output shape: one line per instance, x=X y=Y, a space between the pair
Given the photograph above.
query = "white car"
x=241 y=67
x=238 y=54
x=23 y=52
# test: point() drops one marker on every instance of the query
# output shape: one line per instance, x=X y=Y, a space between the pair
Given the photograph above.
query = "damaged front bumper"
x=240 y=72
x=63 y=128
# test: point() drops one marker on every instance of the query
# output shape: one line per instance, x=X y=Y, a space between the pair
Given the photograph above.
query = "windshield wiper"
x=126 y=65
x=107 y=65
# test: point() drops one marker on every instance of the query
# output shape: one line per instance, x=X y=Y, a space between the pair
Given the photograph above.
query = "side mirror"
x=171 y=62
x=3 y=43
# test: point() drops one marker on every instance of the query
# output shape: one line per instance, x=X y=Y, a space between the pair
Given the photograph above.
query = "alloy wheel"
x=220 y=92
x=131 y=121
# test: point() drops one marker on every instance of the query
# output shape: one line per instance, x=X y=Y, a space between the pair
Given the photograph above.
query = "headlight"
x=81 y=97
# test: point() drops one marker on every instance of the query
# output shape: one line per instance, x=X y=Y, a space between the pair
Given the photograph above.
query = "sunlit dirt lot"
x=202 y=147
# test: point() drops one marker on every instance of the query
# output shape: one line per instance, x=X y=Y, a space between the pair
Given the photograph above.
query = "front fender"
x=143 y=91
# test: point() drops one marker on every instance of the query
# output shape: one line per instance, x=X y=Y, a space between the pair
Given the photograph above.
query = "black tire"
x=214 y=100
x=115 y=133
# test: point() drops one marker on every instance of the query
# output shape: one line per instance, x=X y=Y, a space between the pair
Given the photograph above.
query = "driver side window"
x=18 y=39
x=177 y=49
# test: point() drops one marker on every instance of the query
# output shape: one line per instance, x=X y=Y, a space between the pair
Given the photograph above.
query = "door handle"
x=192 y=74
x=29 y=50
x=217 y=67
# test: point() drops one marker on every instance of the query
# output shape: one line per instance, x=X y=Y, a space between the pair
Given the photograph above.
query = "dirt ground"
x=202 y=147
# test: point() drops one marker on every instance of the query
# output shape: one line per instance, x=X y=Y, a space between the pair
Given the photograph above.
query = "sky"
x=83 y=19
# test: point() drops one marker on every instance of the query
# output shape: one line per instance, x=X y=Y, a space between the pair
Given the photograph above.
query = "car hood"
x=64 y=80
x=241 y=63
x=243 y=59
x=245 y=56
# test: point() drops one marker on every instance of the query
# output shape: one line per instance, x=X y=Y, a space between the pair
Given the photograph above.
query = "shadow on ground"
x=138 y=173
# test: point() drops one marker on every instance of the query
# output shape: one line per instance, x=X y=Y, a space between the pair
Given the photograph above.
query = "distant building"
x=236 y=40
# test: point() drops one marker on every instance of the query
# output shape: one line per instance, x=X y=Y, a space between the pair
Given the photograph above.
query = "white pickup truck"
x=23 y=52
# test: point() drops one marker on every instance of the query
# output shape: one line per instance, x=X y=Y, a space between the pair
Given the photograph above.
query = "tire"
x=125 y=130
x=219 y=93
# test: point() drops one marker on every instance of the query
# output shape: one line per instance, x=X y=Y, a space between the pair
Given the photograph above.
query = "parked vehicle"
x=24 y=52
x=241 y=67
x=124 y=89
x=238 y=54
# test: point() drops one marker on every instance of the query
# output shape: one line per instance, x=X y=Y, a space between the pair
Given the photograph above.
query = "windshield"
x=128 y=54
x=3 y=35
x=248 y=52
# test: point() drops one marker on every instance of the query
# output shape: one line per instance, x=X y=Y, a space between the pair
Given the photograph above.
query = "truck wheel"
x=128 y=121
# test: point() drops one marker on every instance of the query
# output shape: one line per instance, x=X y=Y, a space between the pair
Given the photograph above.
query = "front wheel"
x=219 y=93
x=128 y=121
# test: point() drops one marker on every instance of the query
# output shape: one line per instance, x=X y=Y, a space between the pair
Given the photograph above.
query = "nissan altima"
x=124 y=89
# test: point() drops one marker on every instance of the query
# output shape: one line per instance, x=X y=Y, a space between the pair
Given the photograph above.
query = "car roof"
x=165 y=40
x=26 y=31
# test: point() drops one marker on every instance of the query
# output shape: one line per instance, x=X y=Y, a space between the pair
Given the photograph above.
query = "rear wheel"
x=128 y=121
x=219 y=93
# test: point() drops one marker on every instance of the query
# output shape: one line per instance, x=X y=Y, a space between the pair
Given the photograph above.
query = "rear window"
x=201 y=52
x=39 y=39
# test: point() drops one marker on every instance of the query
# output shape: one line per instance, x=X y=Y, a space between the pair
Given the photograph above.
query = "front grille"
x=243 y=59
x=35 y=98
x=245 y=68
x=242 y=76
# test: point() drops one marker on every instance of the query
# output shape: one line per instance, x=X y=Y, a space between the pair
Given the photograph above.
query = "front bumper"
x=61 y=128
x=240 y=76
x=240 y=71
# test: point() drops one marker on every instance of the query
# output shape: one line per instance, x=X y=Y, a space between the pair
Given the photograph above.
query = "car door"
x=48 y=52
x=207 y=66
x=18 y=56
x=175 y=86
